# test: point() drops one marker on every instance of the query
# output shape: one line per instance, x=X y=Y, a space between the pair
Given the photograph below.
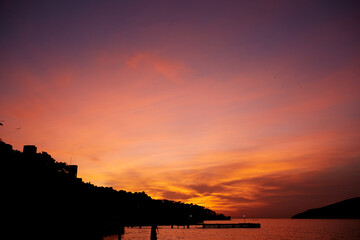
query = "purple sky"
x=245 y=107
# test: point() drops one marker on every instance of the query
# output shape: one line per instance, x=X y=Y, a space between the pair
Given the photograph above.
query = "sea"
x=271 y=229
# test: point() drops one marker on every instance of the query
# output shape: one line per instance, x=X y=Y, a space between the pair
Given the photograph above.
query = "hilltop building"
x=30 y=151
x=72 y=170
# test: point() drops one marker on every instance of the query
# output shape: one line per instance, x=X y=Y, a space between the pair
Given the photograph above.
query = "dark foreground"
x=43 y=198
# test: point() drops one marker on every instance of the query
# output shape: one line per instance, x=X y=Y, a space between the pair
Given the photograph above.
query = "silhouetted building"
x=29 y=150
x=72 y=169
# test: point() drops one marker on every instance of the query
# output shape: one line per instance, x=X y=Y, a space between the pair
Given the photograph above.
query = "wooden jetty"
x=206 y=225
x=231 y=225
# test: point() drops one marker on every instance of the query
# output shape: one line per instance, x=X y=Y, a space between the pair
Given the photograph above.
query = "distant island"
x=45 y=199
x=347 y=209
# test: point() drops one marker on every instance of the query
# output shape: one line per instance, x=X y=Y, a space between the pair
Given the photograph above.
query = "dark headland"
x=347 y=209
x=44 y=199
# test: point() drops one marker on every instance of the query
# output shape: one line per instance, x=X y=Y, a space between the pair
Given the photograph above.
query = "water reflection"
x=300 y=229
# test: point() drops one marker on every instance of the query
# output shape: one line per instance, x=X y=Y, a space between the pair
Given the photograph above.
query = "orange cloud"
x=169 y=69
x=235 y=144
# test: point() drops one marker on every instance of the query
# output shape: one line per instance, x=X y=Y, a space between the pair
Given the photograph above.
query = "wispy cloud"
x=247 y=107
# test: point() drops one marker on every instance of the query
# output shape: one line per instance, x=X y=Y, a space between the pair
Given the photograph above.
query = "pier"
x=231 y=225
x=205 y=225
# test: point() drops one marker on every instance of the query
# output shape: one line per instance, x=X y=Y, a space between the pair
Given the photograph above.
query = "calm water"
x=276 y=229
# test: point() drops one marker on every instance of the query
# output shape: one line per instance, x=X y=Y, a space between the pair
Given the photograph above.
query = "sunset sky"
x=245 y=107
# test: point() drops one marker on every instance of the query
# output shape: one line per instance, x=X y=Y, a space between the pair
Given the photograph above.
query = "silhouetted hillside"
x=347 y=209
x=43 y=195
